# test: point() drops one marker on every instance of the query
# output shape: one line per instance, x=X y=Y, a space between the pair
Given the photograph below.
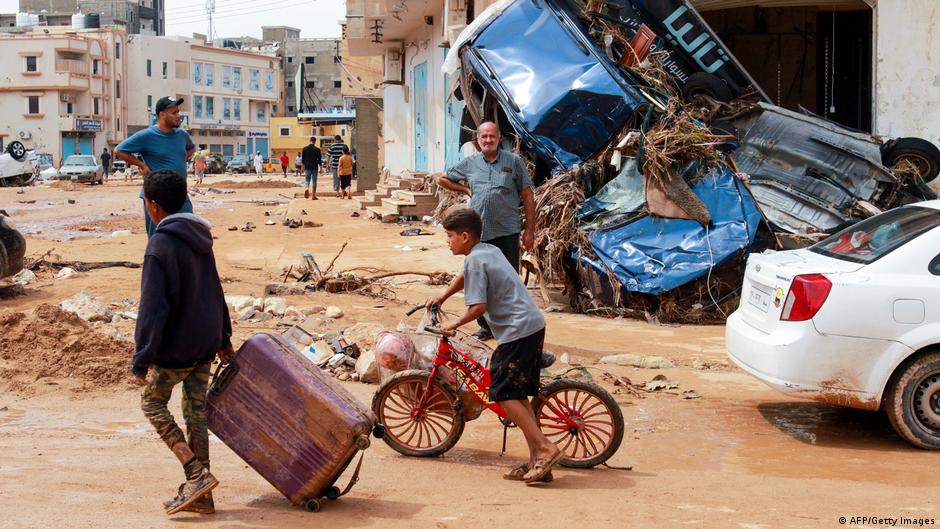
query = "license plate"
x=759 y=298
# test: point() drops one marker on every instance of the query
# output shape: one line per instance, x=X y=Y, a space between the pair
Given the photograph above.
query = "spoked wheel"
x=413 y=430
x=595 y=429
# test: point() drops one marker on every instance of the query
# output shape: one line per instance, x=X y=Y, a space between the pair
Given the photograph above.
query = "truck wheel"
x=921 y=154
x=706 y=84
x=17 y=150
x=912 y=402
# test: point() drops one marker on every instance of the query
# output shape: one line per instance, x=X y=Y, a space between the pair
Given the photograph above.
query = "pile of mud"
x=51 y=342
x=252 y=184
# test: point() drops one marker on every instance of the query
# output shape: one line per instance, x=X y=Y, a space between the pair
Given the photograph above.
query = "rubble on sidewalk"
x=87 y=307
x=645 y=362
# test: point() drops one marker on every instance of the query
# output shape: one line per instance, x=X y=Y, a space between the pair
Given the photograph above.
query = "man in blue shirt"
x=162 y=146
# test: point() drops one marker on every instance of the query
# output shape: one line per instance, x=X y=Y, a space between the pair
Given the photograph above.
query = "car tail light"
x=807 y=295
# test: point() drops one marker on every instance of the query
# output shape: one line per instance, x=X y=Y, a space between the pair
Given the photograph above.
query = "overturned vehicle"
x=660 y=164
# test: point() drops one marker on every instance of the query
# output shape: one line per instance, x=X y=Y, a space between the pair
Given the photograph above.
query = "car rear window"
x=80 y=160
x=873 y=238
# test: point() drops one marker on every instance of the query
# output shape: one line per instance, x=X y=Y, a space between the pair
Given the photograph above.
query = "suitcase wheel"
x=332 y=493
x=363 y=442
x=313 y=505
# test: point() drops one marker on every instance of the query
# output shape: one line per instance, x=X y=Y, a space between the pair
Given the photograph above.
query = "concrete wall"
x=368 y=142
x=906 y=71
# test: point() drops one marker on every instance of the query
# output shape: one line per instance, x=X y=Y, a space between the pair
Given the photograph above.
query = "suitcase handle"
x=223 y=376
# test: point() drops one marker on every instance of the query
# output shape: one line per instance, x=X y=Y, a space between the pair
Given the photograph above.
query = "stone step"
x=387 y=188
x=406 y=207
x=382 y=213
x=418 y=197
x=375 y=194
x=363 y=203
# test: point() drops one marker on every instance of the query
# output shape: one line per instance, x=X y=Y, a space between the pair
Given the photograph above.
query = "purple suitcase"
x=291 y=422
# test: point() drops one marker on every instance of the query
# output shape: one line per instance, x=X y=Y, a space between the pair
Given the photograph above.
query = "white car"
x=15 y=165
x=853 y=320
x=82 y=168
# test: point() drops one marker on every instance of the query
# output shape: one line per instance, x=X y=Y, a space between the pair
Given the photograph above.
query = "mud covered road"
x=77 y=454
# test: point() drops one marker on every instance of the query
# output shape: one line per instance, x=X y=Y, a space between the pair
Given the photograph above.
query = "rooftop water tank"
x=33 y=19
x=22 y=20
x=78 y=21
x=92 y=21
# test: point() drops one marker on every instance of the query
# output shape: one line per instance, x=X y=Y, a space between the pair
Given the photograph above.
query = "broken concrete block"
x=246 y=314
x=334 y=312
x=363 y=334
x=315 y=310
x=66 y=273
x=271 y=305
x=294 y=312
x=285 y=289
x=87 y=307
x=239 y=303
x=262 y=316
x=24 y=277
x=336 y=360
x=646 y=362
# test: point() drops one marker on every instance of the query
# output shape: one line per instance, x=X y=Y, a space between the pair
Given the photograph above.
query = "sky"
x=238 y=18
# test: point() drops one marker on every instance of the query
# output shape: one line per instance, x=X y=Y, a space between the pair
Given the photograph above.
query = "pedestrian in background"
x=284 y=162
x=335 y=152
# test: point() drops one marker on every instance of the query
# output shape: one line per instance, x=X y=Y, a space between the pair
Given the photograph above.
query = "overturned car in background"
x=559 y=78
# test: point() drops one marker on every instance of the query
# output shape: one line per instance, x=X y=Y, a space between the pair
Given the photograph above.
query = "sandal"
x=542 y=467
x=518 y=473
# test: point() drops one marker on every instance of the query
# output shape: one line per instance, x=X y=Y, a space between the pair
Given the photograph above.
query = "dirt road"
x=79 y=455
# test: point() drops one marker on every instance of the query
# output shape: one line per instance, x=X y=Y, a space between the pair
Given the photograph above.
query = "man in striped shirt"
x=335 y=152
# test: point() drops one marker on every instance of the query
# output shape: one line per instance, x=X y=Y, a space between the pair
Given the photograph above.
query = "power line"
x=253 y=10
x=193 y=11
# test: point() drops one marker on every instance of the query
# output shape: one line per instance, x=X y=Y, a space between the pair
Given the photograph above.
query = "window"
x=254 y=80
x=237 y=78
x=149 y=65
x=873 y=238
x=32 y=104
x=310 y=84
x=260 y=113
x=197 y=73
x=197 y=107
x=290 y=108
x=117 y=50
x=96 y=105
x=210 y=72
x=31 y=63
x=226 y=108
x=337 y=59
x=284 y=131
x=337 y=84
x=149 y=103
x=94 y=67
x=290 y=59
x=290 y=84
x=269 y=82
x=119 y=123
x=210 y=107
x=237 y=109
x=309 y=60
x=226 y=77
x=164 y=70
x=69 y=108
x=117 y=89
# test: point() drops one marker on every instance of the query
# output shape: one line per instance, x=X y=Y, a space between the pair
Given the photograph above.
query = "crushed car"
x=589 y=84
x=16 y=167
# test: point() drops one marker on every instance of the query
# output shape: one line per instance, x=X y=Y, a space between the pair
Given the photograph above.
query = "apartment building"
x=228 y=94
x=64 y=90
x=311 y=68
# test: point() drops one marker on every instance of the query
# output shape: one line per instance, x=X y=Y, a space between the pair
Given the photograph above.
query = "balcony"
x=71 y=66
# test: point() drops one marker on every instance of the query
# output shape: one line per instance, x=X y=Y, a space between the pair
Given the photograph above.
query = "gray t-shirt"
x=496 y=189
x=490 y=279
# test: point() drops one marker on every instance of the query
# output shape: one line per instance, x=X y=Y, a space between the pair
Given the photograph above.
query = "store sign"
x=88 y=125
x=256 y=134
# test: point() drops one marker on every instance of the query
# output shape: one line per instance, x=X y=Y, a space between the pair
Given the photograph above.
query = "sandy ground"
x=740 y=456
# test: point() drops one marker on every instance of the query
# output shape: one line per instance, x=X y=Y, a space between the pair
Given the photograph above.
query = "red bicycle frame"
x=477 y=379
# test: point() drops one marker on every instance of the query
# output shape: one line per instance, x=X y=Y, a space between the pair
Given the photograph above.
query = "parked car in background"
x=82 y=168
x=12 y=247
x=15 y=166
x=853 y=320
x=240 y=163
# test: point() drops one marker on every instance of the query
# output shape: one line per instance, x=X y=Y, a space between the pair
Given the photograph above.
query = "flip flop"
x=518 y=473
x=542 y=467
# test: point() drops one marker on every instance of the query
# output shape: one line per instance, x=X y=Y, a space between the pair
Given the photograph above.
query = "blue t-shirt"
x=160 y=150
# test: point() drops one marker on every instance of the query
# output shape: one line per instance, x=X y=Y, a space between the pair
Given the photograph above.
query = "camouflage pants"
x=157 y=394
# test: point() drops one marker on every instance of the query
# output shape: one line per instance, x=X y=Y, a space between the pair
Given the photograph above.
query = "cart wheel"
x=313 y=505
x=332 y=493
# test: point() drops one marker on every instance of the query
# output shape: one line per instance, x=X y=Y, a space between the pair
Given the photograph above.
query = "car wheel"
x=912 y=402
x=916 y=153
x=706 y=84
x=17 y=150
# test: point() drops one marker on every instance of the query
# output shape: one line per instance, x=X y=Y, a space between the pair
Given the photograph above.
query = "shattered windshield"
x=871 y=239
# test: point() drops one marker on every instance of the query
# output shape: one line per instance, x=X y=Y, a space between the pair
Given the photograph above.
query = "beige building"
x=228 y=94
x=63 y=90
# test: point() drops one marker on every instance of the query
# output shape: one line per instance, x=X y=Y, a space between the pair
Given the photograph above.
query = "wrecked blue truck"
x=554 y=78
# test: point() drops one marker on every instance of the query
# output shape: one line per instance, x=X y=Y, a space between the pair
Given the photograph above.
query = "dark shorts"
x=509 y=245
x=345 y=181
x=515 y=367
